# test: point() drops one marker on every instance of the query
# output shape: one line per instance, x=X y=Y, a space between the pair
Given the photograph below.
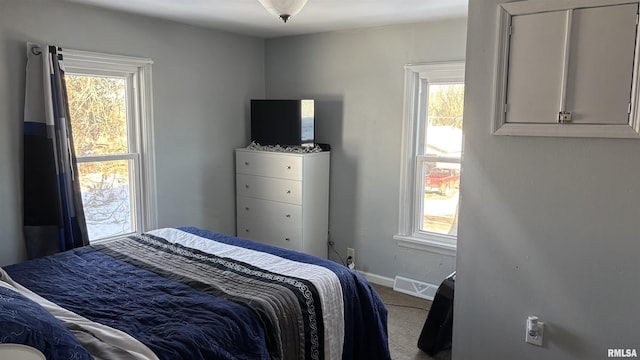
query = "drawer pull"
x=288 y=167
x=287 y=239
x=246 y=163
x=246 y=208
x=246 y=230
x=246 y=186
x=288 y=216
x=288 y=191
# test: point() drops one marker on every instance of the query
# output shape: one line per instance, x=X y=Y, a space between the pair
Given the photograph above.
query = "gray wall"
x=202 y=83
x=549 y=227
x=357 y=80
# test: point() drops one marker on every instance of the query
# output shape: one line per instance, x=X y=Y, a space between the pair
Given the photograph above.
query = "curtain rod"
x=35 y=49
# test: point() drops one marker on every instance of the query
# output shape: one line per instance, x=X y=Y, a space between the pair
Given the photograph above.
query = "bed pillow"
x=25 y=322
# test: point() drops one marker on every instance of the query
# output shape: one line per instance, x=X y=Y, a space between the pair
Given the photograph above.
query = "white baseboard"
x=377 y=279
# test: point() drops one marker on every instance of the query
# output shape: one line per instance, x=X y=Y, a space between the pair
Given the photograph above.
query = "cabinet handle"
x=288 y=216
x=246 y=230
x=246 y=186
x=287 y=239
x=288 y=191
x=246 y=163
x=288 y=167
x=246 y=208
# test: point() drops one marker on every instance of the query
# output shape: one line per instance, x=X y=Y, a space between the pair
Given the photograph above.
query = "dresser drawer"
x=279 y=213
x=288 y=191
x=284 y=166
x=270 y=233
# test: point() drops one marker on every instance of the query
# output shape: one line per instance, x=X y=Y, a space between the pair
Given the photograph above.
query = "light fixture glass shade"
x=284 y=9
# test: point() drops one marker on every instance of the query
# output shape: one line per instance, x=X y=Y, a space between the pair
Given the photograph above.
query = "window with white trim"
x=431 y=158
x=111 y=120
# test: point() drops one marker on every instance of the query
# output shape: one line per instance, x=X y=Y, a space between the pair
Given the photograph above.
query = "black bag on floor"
x=437 y=330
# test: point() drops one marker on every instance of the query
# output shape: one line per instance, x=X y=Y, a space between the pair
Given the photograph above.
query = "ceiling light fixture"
x=284 y=9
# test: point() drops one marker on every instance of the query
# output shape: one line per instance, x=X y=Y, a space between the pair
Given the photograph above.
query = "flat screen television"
x=283 y=122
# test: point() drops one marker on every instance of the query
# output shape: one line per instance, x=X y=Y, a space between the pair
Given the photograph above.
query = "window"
x=110 y=110
x=432 y=152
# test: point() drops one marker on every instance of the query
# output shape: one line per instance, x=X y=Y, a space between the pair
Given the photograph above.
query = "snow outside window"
x=109 y=106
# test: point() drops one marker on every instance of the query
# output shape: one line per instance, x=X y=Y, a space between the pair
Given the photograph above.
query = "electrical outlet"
x=535 y=331
x=351 y=252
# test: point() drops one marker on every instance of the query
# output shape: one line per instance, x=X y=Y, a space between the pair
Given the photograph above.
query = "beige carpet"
x=406 y=316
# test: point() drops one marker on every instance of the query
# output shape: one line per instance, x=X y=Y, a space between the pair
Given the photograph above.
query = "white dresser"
x=282 y=199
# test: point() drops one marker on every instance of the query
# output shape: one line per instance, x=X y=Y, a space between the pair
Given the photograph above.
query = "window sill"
x=433 y=246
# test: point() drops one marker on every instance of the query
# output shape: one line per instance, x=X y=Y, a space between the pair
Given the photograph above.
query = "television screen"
x=283 y=122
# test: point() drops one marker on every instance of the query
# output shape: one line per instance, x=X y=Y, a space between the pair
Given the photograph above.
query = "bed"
x=187 y=293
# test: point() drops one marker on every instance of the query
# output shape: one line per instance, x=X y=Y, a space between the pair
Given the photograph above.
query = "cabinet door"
x=568 y=68
x=536 y=60
x=601 y=64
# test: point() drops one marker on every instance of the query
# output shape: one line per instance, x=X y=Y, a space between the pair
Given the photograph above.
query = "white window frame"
x=141 y=140
x=417 y=79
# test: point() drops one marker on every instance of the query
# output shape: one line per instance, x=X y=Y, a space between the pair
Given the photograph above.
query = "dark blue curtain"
x=53 y=214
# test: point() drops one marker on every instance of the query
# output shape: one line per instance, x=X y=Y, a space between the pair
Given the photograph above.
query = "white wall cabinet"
x=282 y=199
x=568 y=68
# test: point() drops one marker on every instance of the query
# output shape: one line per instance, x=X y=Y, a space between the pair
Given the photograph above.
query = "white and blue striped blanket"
x=187 y=293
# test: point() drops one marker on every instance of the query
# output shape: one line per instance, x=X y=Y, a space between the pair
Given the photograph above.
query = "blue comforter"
x=183 y=316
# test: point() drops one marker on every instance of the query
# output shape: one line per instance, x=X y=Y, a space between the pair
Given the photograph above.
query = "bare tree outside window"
x=98 y=111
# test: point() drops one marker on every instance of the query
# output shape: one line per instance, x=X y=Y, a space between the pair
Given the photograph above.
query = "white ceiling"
x=248 y=17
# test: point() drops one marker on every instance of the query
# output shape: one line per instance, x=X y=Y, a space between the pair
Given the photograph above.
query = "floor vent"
x=415 y=287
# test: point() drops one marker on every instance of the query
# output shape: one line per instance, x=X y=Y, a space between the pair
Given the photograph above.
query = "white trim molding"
x=377 y=279
x=430 y=245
